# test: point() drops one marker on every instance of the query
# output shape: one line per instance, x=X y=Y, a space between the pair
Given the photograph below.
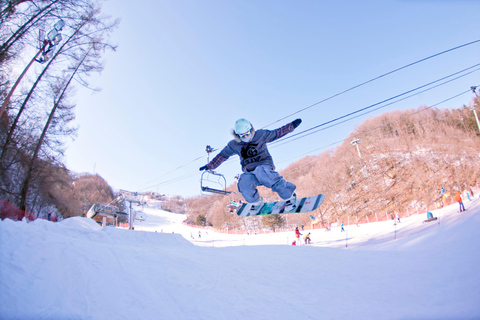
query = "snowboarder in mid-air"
x=257 y=163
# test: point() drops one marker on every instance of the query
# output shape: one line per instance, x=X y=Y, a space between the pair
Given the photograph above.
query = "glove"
x=296 y=123
x=203 y=168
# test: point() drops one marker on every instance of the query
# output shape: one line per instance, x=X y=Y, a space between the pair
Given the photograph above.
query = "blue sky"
x=184 y=72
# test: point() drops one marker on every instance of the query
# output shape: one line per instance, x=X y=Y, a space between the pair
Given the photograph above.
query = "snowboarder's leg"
x=271 y=179
x=247 y=185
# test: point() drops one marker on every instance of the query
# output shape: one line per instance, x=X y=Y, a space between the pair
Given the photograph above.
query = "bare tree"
x=27 y=146
x=35 y=12
x=56 y=106
x=82 y=36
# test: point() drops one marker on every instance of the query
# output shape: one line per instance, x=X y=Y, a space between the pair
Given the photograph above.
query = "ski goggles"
x=246 y=134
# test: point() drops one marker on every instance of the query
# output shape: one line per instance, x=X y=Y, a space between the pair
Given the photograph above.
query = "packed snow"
x=75 y=269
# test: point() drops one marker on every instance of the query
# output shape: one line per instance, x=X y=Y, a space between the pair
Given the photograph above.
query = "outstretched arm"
x=219 y=158
x=280 y=132
x=215 y=163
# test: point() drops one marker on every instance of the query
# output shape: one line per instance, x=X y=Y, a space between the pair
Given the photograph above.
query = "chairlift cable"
x=168 y=172
x=383 y=125
x=371 y=80
x=334 y=143
x=322 y=101
x=289 y=137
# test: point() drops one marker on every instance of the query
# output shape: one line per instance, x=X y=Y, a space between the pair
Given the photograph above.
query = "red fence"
x=8 y=210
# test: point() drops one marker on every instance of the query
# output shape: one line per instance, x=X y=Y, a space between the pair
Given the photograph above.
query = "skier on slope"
x=459 y=199
x=297 y=233
x=257 y=163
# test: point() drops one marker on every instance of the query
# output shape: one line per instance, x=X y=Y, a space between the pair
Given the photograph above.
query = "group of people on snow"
x=458 y=197
x=306 y=238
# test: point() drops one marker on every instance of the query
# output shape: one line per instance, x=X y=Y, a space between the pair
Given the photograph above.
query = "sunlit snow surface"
x=75 y=269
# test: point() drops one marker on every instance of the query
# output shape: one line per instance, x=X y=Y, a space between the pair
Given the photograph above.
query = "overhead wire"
x=334 y=143
x=375 y=128
x=142 y=187
x=290 y=137
x=342 y=140
x=373 y=79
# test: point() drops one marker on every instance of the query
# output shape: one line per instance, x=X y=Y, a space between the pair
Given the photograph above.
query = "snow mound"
x=81 y=222
x=145 y=239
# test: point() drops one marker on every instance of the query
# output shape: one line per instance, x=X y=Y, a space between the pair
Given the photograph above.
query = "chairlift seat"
x=223 y=192
x=221 y=182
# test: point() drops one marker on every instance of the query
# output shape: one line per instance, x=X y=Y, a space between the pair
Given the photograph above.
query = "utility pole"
x=131 y=217
x=474 y=107
x=355 y=142
x=47 y=46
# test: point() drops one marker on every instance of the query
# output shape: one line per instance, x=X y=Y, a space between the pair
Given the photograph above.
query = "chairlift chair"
x=211 y=177
x=219 y=181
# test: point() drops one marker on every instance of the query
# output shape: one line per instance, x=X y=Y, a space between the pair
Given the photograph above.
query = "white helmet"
x=244 y=130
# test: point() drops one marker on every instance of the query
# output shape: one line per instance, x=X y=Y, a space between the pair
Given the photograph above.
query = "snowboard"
x=430 y=219
x=306 y=204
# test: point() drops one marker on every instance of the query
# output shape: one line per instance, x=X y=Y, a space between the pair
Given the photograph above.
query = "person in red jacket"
x=297 y=233
x=458 y=196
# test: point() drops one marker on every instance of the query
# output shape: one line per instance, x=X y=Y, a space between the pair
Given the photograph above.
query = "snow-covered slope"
x=76 y=270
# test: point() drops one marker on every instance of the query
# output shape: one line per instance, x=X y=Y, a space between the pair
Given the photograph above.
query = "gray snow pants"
x=264 y=175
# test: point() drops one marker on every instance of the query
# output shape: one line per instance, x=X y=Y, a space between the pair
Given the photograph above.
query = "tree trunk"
x=26 y=183
x=27 y=98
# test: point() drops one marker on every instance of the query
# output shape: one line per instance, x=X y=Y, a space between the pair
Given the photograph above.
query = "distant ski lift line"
x=383 y=125
x=186 y=176
x=327 y=146
x=328 y=98
x=290 y=137
x=42 y=46
x=373 y=79
x=306 y=153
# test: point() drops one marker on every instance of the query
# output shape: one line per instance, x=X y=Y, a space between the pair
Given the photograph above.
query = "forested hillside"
x=403 y=161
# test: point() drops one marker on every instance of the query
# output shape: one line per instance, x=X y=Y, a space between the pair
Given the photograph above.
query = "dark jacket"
x=253 y=153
